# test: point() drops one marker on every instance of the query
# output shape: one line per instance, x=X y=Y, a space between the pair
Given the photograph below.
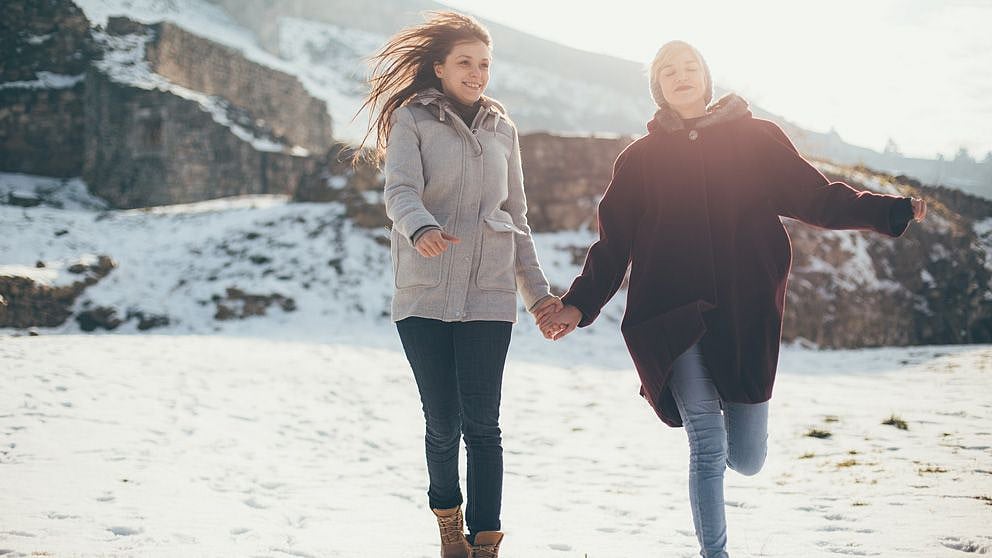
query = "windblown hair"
x=405 y=66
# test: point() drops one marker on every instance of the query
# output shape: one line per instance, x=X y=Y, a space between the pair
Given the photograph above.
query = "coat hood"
x=728 y=108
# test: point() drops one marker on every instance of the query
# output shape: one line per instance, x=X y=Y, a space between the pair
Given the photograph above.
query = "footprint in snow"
x=966 y=545
x=125 y=531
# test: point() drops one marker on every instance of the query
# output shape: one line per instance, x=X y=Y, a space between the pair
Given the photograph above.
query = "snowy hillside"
x=179 y=260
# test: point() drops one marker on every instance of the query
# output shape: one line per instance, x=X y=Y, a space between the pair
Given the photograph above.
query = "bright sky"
x=918 y=71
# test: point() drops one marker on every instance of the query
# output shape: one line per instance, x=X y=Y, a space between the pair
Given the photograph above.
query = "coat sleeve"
x=533 y=285
x=609 y=257
x=799 y=191
x=404 y=188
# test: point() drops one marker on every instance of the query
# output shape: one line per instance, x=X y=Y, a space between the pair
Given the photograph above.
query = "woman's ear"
x=438 y=70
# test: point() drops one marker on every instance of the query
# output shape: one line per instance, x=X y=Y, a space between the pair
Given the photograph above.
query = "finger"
x=450 y=237
x=546 y=320
x=564 y=332
x=552 y=306
x=543 y=311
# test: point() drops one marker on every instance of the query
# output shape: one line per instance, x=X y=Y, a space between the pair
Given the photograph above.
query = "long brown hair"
x=405 y=66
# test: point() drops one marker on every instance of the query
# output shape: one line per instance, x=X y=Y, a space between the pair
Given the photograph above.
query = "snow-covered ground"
x=151 y=445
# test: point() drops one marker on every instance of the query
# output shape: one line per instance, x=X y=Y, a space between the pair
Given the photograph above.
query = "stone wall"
x=149 y=147
x=61 y=115
x=275 y=99
x=565 y=176
x=44 y=46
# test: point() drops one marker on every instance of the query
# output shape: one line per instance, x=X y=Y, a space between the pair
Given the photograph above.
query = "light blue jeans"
x=721 y=434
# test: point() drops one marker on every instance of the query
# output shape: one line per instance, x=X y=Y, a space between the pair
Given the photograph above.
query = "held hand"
x=552 y=305
x=560 y=324
x=434 y=243
x=919 y=209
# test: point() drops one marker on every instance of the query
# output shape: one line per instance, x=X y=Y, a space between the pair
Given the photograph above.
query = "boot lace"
x=451 y=528
x=485 y=551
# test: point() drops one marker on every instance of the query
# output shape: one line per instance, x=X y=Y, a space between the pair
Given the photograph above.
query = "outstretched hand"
x=556 y=325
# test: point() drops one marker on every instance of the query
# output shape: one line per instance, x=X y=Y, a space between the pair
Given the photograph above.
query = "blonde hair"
x=664 y=56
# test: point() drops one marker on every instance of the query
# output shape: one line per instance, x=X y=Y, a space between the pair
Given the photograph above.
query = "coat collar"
x=432 y=96
x=730 y=107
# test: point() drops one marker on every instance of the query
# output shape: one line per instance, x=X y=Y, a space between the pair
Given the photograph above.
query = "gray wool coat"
x=468 y=182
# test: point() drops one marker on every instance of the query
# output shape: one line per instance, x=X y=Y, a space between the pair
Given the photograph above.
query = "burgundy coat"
x=696 y=215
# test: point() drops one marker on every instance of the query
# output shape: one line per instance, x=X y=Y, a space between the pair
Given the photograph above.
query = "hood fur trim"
x=728 y=108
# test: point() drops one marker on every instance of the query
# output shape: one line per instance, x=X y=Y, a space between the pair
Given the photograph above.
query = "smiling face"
x=464 y=73
x=682 y=80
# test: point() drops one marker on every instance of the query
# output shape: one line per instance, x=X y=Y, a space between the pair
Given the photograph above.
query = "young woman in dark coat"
x=694 y=209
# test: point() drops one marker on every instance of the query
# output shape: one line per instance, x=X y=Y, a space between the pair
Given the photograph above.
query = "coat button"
x=693 y=135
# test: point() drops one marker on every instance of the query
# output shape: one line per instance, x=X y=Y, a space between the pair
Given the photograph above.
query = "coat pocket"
x=499 y=250
x=410 y=269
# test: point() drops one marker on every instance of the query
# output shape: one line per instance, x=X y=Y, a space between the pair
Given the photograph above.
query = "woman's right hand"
x=434 y=243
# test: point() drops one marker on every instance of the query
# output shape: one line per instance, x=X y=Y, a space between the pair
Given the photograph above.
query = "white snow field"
x=174 y=445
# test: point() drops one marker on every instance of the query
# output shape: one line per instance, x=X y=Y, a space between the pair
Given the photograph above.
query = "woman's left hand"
x=919 y=209
x=552 y=305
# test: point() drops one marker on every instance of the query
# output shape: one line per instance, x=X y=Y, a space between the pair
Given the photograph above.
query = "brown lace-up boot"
x=453 y=543
x=487 y=544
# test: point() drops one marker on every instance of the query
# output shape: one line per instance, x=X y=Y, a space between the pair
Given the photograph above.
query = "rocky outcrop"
x=358 y=186
x=29 y=303
x=238 y=305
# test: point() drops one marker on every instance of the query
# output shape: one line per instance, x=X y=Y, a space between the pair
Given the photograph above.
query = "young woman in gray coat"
x=461 y=251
